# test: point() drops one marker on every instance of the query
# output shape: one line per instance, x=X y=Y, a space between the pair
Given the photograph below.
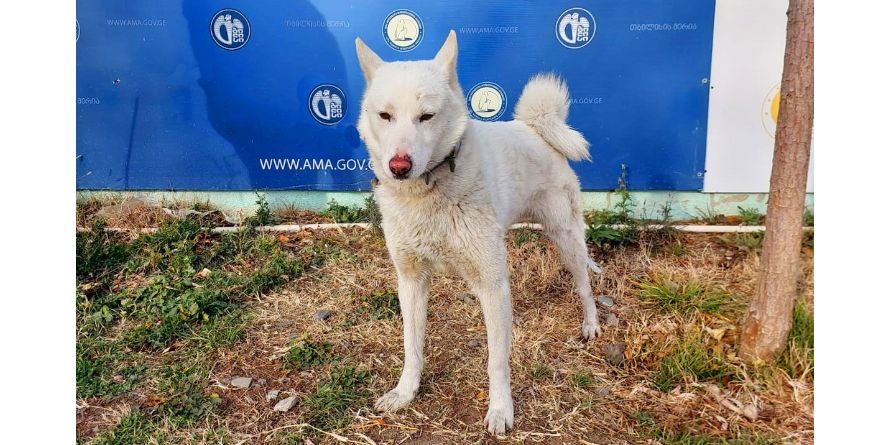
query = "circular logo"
x=576 y=28
x=487 y=101
x=403 y=30
x=230 y=29
x=327 y=104
x=769 y=113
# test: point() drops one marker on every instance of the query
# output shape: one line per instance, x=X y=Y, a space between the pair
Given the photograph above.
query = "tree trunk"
x=770 y=312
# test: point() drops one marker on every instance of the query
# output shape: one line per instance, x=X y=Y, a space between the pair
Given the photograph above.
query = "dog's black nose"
x=400 y=166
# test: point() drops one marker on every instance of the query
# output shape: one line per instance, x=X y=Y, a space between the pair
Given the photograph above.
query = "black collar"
x=449 y=159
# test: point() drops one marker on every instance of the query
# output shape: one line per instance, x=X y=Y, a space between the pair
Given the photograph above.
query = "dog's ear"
x=448 y=55
x=369 y=61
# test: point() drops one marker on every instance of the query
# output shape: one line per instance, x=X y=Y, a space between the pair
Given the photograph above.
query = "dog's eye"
x=425 y=117
x=385 y=116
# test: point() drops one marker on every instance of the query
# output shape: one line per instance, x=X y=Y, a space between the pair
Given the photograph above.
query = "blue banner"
x=242 y=95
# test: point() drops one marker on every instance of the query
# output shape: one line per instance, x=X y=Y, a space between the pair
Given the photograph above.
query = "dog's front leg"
x=412 y=285
x=494 y=293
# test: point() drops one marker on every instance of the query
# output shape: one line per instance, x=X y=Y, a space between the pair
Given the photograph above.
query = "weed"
x=686 y=438
x=526 y=236
x=682 y=298
x=751 y=217
x=645 y=421
x=675 y=248
x=322 y=252
x=379 y=305
x=344 y=214
x=808 y=217
x=618 y=227
x=373 y=213
x=582 y=380
x=133 y=428
x=799 y=355
x=691 y=361
x=746 y=242
x=185 y=400
x=607 y=236
x=540 y=371
x=104 y=370
x=99 y=254
x=263 y=216
x=329 y=403
x=709 y=216
x=222 y=331
x=304 y=354
x=809 y=239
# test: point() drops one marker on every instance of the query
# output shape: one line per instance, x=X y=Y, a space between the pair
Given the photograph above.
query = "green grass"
x=134 y=428
x=304 y=354
x=751 y=217
x=606 y=236
x=330 y=402
x=690 y=361
x=524 y=236
x=181 y=285
x=709 y=216
x=378 y=306
x=263 y=216
x=746 y=242
x=685 y=438
x=540 y=371
x=350 y=214
x=108 y=371
x=684 y=297
x=183 y=390
x=582 y=380
x=799 y=355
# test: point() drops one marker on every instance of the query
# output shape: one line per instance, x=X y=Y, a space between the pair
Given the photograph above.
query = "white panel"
x=749 y=42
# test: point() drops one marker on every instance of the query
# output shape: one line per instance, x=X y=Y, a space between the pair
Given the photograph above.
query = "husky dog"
x=450 y=187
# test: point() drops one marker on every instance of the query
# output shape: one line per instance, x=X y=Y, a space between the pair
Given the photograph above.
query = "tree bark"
x=770 y=313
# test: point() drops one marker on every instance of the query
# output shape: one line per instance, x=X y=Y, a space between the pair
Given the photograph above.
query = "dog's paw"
x=590 y=329
x=392 y=401
x=499 y=420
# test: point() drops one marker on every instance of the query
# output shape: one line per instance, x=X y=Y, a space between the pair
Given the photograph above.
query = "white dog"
x=449 y=188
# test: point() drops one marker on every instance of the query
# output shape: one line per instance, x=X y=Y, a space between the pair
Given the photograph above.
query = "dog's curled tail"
x=544 y=106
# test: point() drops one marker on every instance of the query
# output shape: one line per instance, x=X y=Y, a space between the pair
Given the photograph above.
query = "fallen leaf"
x=203 y=273
x=717 y=334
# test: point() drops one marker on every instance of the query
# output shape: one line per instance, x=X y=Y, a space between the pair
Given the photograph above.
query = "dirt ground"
x=565 y=391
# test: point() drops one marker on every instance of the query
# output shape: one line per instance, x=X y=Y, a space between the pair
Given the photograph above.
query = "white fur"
x=505 y=172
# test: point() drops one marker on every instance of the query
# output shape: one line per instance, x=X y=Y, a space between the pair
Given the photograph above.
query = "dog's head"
x=413 y=113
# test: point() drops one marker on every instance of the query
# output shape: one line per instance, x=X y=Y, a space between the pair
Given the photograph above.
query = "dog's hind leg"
x=560 y=214
x=412 y=290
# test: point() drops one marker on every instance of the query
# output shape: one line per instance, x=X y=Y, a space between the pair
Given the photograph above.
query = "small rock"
x=272 y=394
x=261 y=382
x=602 y=391
x=468 y=298
x=474 y=343
x=285 y=404
x=611 y=319
x=322 y=314
x=615 y=352
x=606 y=300
x=241 y=382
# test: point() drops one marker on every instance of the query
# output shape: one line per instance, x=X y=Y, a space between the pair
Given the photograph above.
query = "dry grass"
x=565 y=391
